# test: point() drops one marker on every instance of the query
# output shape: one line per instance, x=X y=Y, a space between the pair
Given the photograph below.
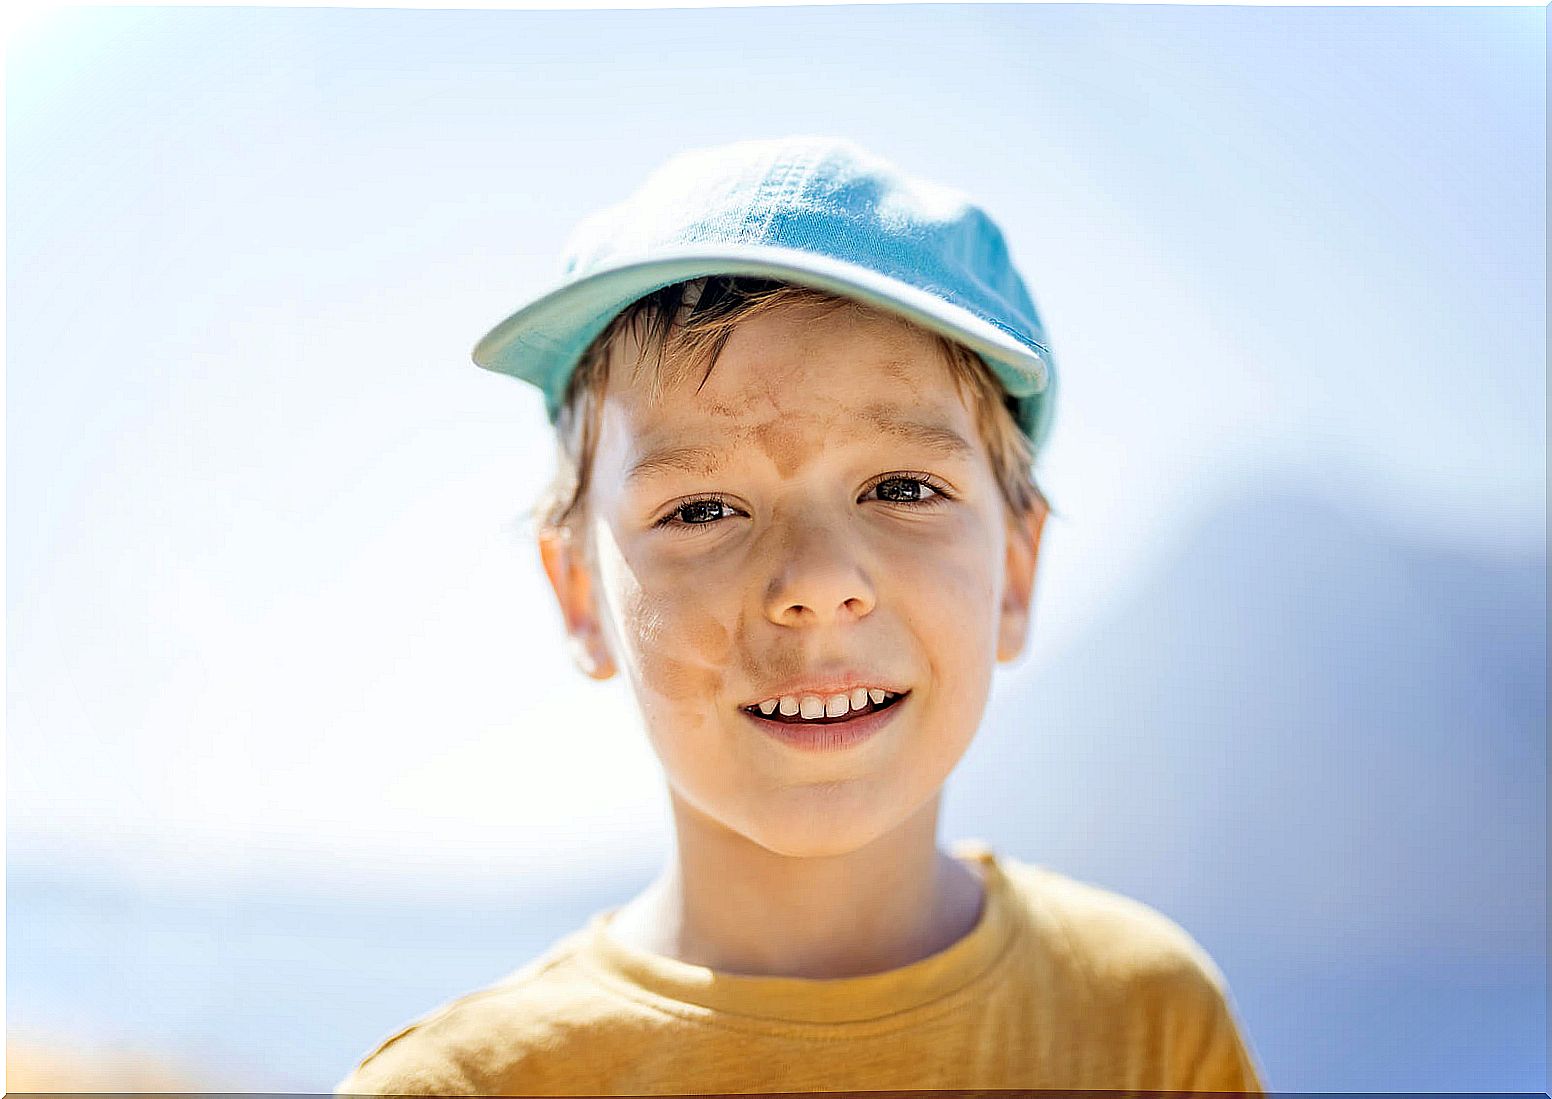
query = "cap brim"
x=541 y=341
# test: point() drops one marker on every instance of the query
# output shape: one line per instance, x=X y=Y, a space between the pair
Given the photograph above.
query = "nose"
x=818 y=576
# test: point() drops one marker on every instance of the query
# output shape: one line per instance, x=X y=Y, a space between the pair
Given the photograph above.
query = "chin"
x=826 y=848
x=809 y=828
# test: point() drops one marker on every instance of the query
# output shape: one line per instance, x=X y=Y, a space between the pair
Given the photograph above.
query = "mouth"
x=825 y=715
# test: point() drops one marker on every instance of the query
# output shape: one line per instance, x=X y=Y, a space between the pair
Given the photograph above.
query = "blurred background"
x=295 y=754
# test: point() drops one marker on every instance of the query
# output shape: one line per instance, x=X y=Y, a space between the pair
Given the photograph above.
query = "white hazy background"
x=274 y=620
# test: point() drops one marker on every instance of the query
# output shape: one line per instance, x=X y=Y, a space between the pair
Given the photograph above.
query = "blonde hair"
x=683 y=328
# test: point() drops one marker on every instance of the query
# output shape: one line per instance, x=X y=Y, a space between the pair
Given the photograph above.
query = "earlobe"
x=568 y=575
x=1023 y=550
x=585 y=652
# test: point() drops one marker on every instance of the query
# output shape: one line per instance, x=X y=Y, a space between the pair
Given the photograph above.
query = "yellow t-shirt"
x=1060 y=984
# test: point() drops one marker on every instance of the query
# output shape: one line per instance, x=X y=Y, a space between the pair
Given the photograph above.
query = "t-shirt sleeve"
x=421 y=1079
x=403 y=1066
x=1225 y=1062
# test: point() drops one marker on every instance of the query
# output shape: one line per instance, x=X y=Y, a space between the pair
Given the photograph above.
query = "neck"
x=727 y=903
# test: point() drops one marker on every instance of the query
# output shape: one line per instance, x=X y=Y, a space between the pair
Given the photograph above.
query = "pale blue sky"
x=264 y=578
x=276 y=632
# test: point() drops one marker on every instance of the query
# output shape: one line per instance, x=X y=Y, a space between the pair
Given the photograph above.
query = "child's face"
x=805 y=572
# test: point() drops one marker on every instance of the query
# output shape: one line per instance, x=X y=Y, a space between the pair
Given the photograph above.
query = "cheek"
x=955 y=573
x=950 y=592
x=678 y=643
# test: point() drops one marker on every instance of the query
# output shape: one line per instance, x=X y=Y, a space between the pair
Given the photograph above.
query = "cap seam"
x=739 y=194
x=781 y=185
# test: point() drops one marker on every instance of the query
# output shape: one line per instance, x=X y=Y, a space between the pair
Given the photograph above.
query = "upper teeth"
x=815 y=706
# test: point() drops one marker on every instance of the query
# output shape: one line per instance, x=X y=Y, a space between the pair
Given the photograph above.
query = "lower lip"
x=828 y=738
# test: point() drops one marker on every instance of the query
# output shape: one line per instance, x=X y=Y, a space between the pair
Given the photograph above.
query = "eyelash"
x=672 y=522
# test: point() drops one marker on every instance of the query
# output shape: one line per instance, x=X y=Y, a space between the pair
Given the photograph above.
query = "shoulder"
x=1141 y=973
x=473 y=1044
x=1118 y=942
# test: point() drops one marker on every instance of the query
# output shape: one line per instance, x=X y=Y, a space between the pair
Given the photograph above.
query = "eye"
x=906 y=488
x=703 y=512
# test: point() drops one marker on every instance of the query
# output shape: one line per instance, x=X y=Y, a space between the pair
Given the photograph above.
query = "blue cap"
x=817 y=211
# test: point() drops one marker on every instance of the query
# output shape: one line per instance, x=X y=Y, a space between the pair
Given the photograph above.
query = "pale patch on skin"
x=806 y=568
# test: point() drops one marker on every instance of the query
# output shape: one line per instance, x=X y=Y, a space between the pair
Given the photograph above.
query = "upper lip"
x=835 y=685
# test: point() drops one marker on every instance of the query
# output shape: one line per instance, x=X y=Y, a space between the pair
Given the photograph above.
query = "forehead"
x=789 y=381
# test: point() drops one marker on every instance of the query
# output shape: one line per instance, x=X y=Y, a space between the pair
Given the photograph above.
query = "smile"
x=827 y=734
x=809 y=709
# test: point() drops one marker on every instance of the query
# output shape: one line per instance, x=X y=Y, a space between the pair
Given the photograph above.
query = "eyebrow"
x=937 y=437
x=696 y=458
x=705 y=459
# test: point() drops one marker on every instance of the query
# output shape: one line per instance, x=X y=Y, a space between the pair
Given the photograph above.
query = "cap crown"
x=821 y=195
x=809 y=209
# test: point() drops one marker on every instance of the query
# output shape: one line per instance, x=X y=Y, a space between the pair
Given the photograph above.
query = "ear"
x=1023 y=548
x=566 y=566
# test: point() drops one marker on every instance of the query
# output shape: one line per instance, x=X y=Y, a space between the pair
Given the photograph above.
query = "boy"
x=798 y=397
